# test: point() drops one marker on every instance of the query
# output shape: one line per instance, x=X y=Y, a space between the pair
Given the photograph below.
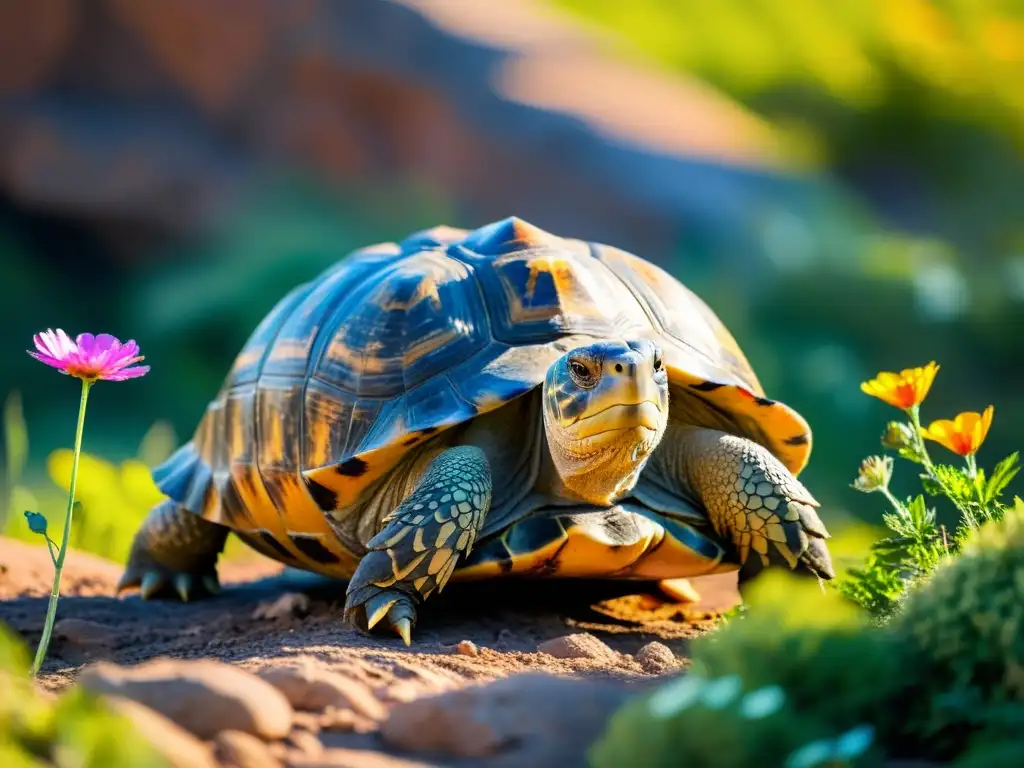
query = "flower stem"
x=51 y=609
x=972 y=467
x=893 y=500
x=915 y=418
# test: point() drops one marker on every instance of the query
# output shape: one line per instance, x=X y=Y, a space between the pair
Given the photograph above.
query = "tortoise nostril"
x=618 y=367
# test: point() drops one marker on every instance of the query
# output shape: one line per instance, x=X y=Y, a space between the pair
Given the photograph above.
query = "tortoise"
x=471 y=404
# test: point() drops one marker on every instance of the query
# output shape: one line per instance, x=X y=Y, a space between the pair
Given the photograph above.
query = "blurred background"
x=843 y=183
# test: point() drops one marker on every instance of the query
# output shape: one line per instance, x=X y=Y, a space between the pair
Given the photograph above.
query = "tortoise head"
x=605 y=410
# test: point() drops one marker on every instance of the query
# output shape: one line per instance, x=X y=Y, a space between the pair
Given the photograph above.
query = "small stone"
x=306 y=743
x=355 y=758
x=85 y=633
x=204 y=696
x=345 y=721
x=656 y=658
x=579 y=646
x=287 y=606
x=237 y=749
x=179 y=747
x=309 y=721
x=530 y=719
x=309 y=686
x=467 y=648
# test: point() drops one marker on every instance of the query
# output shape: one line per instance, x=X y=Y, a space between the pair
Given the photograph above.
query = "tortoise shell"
x=397 y=342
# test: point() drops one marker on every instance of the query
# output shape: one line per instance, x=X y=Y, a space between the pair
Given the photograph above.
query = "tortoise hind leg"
x=174 y=548
x=417 y=549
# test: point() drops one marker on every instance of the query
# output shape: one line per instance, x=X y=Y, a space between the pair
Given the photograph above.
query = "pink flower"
x=89 y=357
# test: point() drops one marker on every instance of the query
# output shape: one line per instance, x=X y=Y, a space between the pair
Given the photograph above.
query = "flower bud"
x=898 y=436
x=874 y=475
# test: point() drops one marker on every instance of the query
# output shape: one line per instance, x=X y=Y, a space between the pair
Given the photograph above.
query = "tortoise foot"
x=157 y=580
x=174 y=554
x=415 y=552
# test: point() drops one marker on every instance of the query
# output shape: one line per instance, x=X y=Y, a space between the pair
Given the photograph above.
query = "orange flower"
x=964 y=434
x=902 y=390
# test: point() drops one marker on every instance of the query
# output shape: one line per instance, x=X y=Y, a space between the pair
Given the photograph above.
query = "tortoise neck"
x=600 y=478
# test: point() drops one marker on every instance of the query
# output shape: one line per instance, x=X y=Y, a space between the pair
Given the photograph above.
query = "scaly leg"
x=421 y=541
x=753 y=501
x=174 y=548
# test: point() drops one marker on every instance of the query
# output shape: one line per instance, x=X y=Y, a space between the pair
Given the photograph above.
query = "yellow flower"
x=902 y=390
x=962 y=435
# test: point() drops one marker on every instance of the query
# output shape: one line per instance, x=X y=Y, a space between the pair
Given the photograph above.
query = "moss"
x=964 y=631
x=799 y=676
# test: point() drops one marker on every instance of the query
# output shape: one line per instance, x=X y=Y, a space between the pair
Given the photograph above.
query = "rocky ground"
x=267 y=674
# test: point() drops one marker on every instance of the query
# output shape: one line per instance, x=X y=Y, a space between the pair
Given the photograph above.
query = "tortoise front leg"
x=751 y=499
x=421 y=541
x=174 y=548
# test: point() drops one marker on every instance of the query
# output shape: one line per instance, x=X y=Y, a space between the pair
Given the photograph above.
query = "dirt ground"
x=266 y=615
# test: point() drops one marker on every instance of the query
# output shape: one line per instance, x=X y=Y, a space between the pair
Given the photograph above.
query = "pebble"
x=179 y=747
x=309 y=686
x=344 y=721
x=306 y=743
x=237 y=749
x=288 y=605
x=202 y=696
x=467 y=648
x=656 y=658
x=530 y=719
x=355 y=758
x=579 y=646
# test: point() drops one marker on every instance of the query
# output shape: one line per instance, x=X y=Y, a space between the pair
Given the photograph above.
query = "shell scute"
x=413 y=320
x=248 y=362
x=432 y=238
x=334 y=294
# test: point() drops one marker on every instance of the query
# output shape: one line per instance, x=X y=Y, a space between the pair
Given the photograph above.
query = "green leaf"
x=931 y=485
x=1003 y=473
x=36 y=522
x=956 y=484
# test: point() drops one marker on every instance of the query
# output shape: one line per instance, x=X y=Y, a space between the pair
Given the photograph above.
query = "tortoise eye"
x=580 y=373
x=657 y=361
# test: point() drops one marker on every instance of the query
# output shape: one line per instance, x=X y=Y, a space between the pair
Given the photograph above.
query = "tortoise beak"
x=645 y=415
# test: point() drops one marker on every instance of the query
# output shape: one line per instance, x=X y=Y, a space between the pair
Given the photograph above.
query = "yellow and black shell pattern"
x=397 y=342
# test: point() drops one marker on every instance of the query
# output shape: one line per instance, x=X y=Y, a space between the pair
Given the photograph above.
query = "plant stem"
x=972 y=467
x=893 y=500
x=51 y=609
x=915 y=419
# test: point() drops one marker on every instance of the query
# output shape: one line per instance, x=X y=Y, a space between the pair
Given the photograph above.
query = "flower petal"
x=47 y=359
x=126 y=373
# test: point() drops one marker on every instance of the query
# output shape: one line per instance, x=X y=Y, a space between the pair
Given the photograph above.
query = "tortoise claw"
x=397 y=606
x=183 y=585
x=152 y=583
x=404 y=629
x=211 y=584
x=377 y=607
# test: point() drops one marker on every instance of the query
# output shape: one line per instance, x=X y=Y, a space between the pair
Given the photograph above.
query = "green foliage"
x=712 y=722
x=965 y=628
x=73 y=729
